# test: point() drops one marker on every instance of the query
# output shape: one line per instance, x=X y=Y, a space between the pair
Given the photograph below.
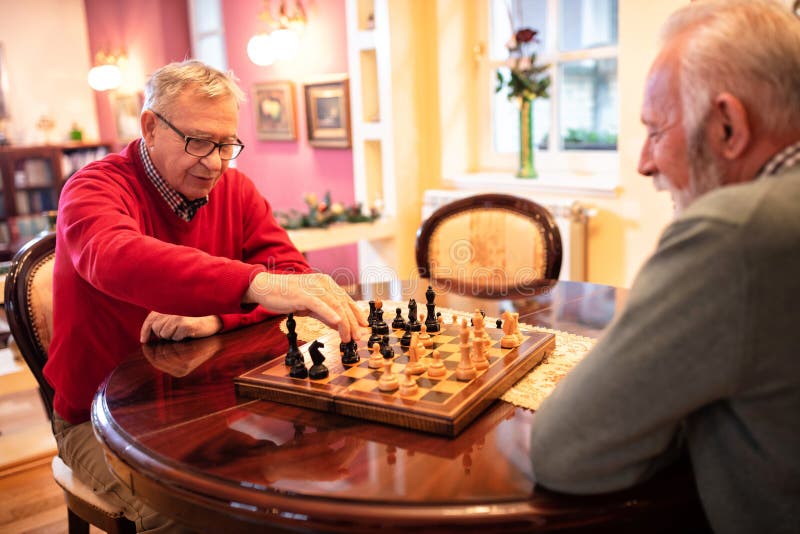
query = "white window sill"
x=598 y=185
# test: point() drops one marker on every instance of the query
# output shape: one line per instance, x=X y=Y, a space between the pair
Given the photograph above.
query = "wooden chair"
x=29 y=309
x=489 y=244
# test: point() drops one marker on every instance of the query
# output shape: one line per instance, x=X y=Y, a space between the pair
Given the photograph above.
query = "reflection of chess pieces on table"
x=466 y=461
x=424 y=336
x=387 y=381
x=414 y=366
x=409 y=387
x=479 y=349
x=375 y=358
x=465 y=370
x=398 y=323
x=436 y=368
x=509 y=339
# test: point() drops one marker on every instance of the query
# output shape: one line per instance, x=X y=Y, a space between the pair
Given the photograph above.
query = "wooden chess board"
x=442 y=405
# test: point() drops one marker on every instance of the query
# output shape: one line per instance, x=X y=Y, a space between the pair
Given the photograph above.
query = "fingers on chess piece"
x=408 y=387
x=387 y=381
x=436 y=368
x=375 y=358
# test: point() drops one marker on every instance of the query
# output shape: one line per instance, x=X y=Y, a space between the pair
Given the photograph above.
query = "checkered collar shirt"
x=787 y=157
x=182 y=207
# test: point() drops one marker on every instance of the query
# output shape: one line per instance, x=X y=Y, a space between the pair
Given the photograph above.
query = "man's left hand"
x=178 y=327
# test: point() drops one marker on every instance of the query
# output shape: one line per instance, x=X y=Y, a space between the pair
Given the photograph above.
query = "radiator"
x=571 y=217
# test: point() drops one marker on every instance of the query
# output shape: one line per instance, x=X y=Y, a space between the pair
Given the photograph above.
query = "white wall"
x=47 y=60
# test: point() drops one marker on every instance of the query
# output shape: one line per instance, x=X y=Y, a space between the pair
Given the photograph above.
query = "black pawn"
x=374 y=337
x=318 y=369
x=380 y=325
x=299 y=369
x=350 y=353
x=399 y=323
x=499 y=323
x=293 y=354
x=405 y=341
x=386 y=349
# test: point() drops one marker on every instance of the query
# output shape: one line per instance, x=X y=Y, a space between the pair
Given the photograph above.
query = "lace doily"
x=528 y=392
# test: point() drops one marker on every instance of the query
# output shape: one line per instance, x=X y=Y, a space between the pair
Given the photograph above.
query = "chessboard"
x=441 y=405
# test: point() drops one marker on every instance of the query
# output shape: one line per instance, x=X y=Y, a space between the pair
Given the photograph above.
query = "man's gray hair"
x=170 y=81
x=749 y=48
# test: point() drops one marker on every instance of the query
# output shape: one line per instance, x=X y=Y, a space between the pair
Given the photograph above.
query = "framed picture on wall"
x=328 y=112
x=275 y=113
x=127 y=108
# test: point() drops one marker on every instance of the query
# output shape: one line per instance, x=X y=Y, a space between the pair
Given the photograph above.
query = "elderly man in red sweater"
x=165 y=240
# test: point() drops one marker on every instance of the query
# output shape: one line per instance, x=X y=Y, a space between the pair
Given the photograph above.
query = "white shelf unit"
x=372 y=128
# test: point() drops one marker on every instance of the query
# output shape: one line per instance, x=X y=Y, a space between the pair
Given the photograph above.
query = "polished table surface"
x=176 y=433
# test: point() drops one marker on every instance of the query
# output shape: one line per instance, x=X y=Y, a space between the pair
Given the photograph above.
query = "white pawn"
x=424 y=336
x=387 y=381
x=409 y=388
x=436 y=367
x=375 y=358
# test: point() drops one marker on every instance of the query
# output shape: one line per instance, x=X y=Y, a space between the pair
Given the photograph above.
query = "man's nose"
x=647 y=166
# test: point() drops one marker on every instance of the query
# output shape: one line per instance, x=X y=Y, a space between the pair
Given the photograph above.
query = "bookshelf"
x=32 y=178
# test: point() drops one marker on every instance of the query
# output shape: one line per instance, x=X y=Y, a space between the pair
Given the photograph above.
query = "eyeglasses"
x=200 y=148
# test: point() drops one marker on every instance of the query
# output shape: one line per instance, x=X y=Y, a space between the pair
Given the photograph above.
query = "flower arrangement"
x=324 y=213
x=527 y=80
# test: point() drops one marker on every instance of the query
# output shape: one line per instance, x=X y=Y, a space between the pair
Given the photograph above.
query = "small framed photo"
x=275 y=112
x=328 y=112
x=127 y=107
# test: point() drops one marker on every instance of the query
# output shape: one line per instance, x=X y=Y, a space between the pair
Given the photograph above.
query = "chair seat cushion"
x=70 y=483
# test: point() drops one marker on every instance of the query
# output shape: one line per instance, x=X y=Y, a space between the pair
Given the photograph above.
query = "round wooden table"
x=175 y=431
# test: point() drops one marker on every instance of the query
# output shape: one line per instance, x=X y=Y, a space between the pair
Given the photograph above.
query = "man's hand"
x=178 y=327
x=317 y=294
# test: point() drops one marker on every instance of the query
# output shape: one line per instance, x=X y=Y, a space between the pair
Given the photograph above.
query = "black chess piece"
x=374 y=337
x=349 y=352
x=499 y=323
x=371 y=316
x=293 y=354
x=380 y=325
x=386 y=348
x=430 y=318
x=405 y=341
x=413 y=318
x=399 y=323
x=299 y=369
x=317 y=369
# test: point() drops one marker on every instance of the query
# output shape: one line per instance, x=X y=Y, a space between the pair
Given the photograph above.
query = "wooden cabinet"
x=32 y=178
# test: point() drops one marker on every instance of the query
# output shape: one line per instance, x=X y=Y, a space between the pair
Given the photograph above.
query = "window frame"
x=554 y=159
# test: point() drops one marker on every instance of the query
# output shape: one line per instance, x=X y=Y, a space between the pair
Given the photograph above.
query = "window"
x=578 y=39
x=208 y=36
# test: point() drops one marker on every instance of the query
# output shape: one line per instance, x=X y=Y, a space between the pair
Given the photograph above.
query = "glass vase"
x=527 y=167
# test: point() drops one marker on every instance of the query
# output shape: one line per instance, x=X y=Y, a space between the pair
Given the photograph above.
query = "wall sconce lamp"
x=106 y=74
x=282 y=42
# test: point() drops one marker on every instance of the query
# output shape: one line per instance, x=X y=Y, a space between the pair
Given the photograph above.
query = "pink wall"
x=152 y=32
x=156 y=32
x=285 y=170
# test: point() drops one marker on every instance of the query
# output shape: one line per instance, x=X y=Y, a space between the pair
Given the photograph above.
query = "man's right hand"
x=314 y=294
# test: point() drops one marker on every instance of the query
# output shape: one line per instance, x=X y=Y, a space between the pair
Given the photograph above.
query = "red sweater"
x=121 y=252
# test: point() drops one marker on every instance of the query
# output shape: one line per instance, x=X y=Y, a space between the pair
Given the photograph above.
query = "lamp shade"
x=260 y=49
x=105 y=77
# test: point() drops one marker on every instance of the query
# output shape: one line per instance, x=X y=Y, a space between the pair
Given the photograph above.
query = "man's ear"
x=730 y=126
x=148 y=122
